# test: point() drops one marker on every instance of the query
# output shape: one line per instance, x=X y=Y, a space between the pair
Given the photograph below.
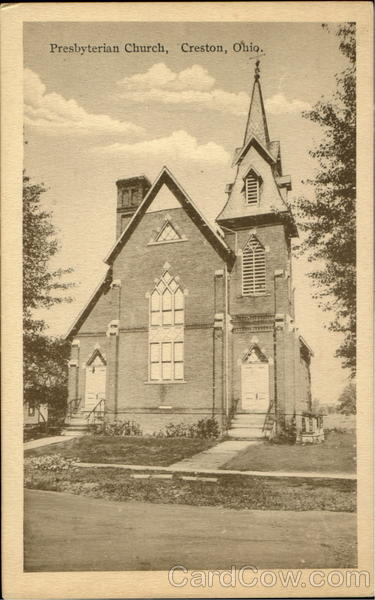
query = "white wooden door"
x=255 y=387
x=95 y=383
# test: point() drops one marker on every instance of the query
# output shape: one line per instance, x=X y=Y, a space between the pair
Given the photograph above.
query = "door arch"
x=255 y=394
x=96 y=372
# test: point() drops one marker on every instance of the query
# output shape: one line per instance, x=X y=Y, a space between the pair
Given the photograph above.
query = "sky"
x=93 y=118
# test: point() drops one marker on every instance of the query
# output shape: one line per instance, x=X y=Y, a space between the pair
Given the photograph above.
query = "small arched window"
x=252 y=187
x=253 y=268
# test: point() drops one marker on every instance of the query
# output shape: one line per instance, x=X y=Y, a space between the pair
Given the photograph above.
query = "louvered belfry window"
x=252 y=188
x=253 y=268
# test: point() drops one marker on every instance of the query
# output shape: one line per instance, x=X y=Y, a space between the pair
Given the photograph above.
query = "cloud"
x=53 y=114
x=178 y=147
x=279 y=104
x=193 y=86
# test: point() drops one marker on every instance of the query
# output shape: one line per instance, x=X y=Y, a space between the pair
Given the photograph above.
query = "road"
x=64 y=532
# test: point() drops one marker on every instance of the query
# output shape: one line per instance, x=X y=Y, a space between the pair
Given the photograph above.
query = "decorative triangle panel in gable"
x=167 y=234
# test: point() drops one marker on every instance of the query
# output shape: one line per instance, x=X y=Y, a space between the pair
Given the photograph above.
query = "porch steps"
x=247 y=426
x=76 y=425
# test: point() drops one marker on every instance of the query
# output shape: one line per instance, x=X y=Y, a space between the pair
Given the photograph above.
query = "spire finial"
x=257 y=70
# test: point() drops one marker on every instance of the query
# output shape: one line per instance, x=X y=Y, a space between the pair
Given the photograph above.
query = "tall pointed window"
x=253 y=268
x=166 y=353
x=252 y=188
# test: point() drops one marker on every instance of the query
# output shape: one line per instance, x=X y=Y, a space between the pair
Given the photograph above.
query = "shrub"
x=118 y=429
x=288 y=435
x=204 y=429
x=50 y=462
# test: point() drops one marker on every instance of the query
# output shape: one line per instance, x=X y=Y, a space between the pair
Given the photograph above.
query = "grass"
x=336 y=454
x=236 y=492
x=131 y=450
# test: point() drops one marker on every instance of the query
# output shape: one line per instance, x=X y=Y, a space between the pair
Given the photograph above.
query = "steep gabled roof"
x=165 y=177
x=80 y=319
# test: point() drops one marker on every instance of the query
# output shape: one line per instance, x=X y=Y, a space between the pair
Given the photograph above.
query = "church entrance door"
x=95 y=383
x=254 y=385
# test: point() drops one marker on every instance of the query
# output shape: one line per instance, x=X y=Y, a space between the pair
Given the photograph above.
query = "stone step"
x=249 y=433
x=72 y=433
x=76 y=427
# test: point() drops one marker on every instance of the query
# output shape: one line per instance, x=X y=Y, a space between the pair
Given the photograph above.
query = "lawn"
x=229 y=491
x=336 y=454
x=130 y=450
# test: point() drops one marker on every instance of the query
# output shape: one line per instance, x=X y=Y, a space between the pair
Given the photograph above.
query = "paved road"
x=76 y=533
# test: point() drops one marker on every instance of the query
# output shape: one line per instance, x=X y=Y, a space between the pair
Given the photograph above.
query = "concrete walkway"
x=78 y=533
x=46 y=441
x=206 y=463
x=215 y=457
x=184 y=469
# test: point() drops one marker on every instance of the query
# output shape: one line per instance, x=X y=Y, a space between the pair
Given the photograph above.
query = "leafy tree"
x=45 y=358
x=45 y=373
x=39 y=246
x=328 y=219
x=347 y=400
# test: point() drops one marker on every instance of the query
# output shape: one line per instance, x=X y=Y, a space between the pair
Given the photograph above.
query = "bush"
x=118 y=429
x=204 y=429
x=40 y=430
x=50 y=462
x=288 y=435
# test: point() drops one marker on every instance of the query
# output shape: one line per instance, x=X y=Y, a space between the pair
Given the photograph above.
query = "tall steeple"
x=256 y=121
x=259 y=190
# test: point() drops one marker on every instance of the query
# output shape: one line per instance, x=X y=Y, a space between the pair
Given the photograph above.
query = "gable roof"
x=165 y=177
x=80 y=319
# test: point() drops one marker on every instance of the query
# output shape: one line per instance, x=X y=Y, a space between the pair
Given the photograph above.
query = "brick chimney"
x=130 y=193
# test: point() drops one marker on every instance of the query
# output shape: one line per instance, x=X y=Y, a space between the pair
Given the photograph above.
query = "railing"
x=73 y=406
x=97 y=413
x=269 y=421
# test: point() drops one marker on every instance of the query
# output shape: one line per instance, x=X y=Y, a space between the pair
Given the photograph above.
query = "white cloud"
x=192 y=86
x=178 y=147
x=279 y=104
x=53 y=114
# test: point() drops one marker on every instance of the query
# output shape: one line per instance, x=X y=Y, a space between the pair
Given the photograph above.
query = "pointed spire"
x=256 y=121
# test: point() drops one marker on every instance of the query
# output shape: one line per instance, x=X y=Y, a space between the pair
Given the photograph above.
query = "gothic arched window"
x=166 y=355
x=253 y=268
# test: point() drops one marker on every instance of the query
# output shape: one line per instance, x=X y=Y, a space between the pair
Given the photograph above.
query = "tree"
x=45 y=373
x=328 y=219
x=39 y=246
x=45 y=358
x=347 y=400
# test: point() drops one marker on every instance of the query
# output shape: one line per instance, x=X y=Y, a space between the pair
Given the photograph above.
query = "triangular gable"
x=96 y=354
x=164 y=200
x=254 y=354
x=253 y=141
x=166 y=178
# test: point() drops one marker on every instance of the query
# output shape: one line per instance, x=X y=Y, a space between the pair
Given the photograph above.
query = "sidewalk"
x=56 y=439
x=184 y=469
x=215 y=457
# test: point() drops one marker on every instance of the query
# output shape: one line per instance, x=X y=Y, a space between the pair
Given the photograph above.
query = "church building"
x=192 y=320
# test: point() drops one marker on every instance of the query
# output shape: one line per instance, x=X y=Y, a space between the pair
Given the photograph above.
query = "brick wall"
x=136 y=267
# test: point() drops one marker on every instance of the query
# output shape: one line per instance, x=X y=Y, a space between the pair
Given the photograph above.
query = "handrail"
x=270 y=408
x=94 y=410
x=73 y=406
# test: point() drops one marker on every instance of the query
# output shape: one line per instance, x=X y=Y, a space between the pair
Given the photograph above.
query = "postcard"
x=187 y=283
